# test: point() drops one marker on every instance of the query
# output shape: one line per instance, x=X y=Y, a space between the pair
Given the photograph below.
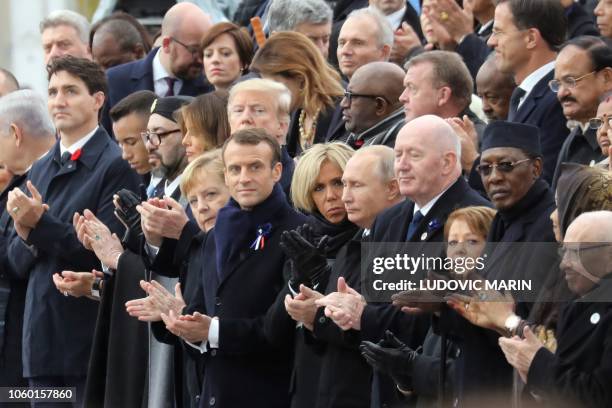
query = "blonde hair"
x=294 y=56
x=308 y=168
x=209 y=162
x=478 y=219
x=280 y=93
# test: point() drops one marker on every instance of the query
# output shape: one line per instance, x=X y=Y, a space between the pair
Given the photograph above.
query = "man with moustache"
x=583 y=74
x=175 y=68
x=243 y=251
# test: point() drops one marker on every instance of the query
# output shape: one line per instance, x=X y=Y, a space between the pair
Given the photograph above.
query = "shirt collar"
x=536 y=76
x=427 y=207
x=77 y=145
x=395 y=18
x=159 y=72
x=169 y=189
x=485 y=26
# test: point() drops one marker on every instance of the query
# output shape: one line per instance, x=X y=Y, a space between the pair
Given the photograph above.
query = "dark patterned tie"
x=514 y=102
x=414 y=225
x=170 y=81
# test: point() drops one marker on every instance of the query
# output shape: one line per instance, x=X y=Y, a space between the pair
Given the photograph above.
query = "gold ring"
x=443 y=15
x=15 y=210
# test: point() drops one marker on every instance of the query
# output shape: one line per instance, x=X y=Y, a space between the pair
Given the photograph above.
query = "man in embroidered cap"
x=242 y=275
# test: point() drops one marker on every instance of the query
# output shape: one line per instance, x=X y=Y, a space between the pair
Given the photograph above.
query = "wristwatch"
x=96 y=287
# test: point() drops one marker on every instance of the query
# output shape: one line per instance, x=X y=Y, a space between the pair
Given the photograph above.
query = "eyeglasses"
x=575 y=250
x=597 y=123
x=155 y=138
x=193 y=49
x=504 y=167
x=568 y=82
x=350 y=95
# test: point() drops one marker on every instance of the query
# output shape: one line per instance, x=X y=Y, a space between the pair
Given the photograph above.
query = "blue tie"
x=414 y=225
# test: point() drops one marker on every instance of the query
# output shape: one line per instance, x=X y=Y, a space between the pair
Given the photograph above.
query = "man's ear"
x=277 y=171
x=165 y=44
x=382 y=106
x=385 y=52
x=538 y=167
x=393 y=191
x=444 y=95
x=533 y=38
x=16 y=134
x=99 y=98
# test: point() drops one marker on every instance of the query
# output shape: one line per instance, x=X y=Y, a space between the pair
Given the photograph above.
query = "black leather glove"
x=392 y=357
x=308 y=257
x=130 y=218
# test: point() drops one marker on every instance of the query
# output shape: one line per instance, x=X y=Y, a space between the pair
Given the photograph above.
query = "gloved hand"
x=308 y=257
x=129 y=217
x=392 y=357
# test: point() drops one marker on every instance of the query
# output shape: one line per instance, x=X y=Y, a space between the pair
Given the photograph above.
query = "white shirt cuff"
x=201 y=347
x=213 y=333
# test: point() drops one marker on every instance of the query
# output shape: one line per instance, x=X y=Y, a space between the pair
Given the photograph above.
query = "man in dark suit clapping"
x=82 y=170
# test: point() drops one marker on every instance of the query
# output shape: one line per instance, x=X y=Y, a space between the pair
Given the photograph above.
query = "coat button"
x=197 y=399
x=213 y=352
x=212 y=401
x=322 y=320
x=218 y=304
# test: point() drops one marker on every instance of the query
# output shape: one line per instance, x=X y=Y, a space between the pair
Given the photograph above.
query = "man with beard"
x=175 y=68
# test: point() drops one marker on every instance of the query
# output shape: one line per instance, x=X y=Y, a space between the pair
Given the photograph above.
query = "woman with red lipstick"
x=204 y=123
x=228 y=51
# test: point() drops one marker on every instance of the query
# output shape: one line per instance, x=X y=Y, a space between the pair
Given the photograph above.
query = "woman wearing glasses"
x=603 y=123
x=291 y=58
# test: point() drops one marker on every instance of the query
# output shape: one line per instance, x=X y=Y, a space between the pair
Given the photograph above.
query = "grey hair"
x=69 y=18
x=28 y=110
x=286 y=15
x=385 y=162
x=385 y=31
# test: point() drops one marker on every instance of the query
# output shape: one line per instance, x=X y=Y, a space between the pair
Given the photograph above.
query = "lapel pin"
x=595 y=318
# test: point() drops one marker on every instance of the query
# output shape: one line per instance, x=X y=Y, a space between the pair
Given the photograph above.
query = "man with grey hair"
x=26 y=134
x=428 y=170
x=8 y=82
x=313 y=18
x=65 y=32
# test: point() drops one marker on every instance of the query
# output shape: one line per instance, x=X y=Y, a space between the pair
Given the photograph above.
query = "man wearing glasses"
x=525 y=37
x=583 y=74
x=371 y=109
x=175 y=68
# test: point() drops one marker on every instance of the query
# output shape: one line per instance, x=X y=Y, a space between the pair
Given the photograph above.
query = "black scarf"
x=236 y=229
x=535 y=198
x=339 y=234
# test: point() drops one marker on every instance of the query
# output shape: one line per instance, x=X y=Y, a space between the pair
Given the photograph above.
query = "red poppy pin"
x=75 y=156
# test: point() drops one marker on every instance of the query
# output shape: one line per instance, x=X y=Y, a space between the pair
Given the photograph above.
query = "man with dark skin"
x=495 y=89
x=116 y=42
x=371 y=109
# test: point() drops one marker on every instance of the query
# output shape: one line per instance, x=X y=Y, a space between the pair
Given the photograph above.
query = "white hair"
x=384 y=29
x=28 y=111
x=266 y=86
x=69 y=18
x=286 y=15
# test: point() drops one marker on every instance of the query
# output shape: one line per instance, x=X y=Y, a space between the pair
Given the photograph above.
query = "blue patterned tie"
x=414 y=225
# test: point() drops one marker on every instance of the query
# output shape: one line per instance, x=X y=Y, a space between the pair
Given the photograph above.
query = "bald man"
x=8 y=82
x=495 y=89
x=174 y=68
x=428 y=170
x=371 y=109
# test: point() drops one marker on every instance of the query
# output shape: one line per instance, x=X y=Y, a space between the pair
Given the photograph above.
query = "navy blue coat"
x=249 y=368
x=542 y=109
x=58 y=330
x=137 y=75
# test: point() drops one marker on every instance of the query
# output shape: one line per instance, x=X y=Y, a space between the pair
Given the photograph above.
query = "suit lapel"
x=530 y=103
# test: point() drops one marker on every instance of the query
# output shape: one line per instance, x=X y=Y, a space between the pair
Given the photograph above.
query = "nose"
x=344 y=102
x=202 y=206
x=404 y=96
x=495 y=175
x=563 y=92
x=125 y=154
x=347 y=197
x=245 y=177
x=345 y=49
x=331 y=194
x=186 y=139
x=150 y=147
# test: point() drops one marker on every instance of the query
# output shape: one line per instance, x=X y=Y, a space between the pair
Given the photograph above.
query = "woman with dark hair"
x=228 y=51
x=204 y=124
x=291 y=58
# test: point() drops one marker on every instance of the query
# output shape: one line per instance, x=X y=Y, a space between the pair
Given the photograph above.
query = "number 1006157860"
x=37 y=394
